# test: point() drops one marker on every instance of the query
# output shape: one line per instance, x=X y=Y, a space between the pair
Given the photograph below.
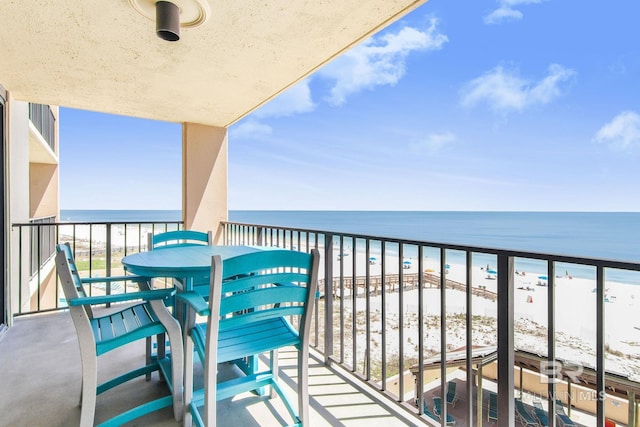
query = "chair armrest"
x=130 y=296
x=195 y=301
x=132 y=278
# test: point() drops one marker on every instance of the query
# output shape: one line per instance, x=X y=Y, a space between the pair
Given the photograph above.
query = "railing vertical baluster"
x=260 y=236
x=90 y=256
x=551 y=340
x=443 y=332
x=39 y=257
x=383 y=303
x=107 y=256
x=600 y=346
x=354 y=317
x=20 y=275
x=469 y=337
x=420 y=379
x=400 y=322
x=341 y=282
x=57 y=237
x=367 y=312
x=506 y=405
x=328 y=297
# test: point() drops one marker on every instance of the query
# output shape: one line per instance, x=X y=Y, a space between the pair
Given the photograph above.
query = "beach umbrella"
x=492 y=272
x=447 y=266
x=407 y=262
x=373 y=258
x=542 y=277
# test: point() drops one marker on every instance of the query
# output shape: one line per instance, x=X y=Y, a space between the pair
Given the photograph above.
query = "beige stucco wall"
x=17 y=133
x=204 y=179
x=43 y=190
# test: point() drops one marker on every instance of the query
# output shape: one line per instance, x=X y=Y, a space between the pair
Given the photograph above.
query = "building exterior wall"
x=32 y=193
x=44 y=175
x=17 y=134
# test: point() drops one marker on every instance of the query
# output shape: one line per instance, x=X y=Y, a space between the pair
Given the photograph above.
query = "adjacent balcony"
x=396 y=323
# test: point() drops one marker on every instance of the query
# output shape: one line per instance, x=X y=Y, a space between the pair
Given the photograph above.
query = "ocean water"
x=604 y=235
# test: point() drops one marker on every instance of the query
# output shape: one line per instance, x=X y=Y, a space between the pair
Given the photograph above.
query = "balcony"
x=42 y=134
x=393 y=326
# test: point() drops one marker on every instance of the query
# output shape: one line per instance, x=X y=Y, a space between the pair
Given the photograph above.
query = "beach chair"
x=564 y=420
x=537 y=403
x=451 y=393
x=560 y=407
x=144 y=316
x=437 y=409
x=525 y=417
x=493 y=406
x=251 y=299
x=541 y=416
x=427 y=411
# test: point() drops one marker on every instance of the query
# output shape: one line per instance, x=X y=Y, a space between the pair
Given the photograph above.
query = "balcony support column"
x=506 y=413
x=204 y=178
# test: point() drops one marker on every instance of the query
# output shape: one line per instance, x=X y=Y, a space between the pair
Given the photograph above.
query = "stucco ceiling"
x=102 y=55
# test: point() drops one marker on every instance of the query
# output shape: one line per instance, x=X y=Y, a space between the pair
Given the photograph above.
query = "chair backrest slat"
x=172 y=239
x=262 y=297
x=239 y=284
x=253 y=316
x=266 y=260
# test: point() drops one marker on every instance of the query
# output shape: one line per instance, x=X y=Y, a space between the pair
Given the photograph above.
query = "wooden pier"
x=410 y=281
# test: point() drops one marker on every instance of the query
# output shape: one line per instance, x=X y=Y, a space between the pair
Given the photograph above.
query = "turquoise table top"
x=190 y=262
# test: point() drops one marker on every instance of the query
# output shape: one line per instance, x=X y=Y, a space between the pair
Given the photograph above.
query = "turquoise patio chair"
x=437 y=409
x=174 y=239
x=523 y=415
x=493 y=407
x=252 y=299
x=99 y=333
x=452 y=397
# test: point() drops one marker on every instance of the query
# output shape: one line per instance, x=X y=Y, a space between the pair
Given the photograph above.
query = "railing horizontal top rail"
x=28 y=224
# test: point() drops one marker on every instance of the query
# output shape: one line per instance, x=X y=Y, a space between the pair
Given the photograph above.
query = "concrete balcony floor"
x=40 y=375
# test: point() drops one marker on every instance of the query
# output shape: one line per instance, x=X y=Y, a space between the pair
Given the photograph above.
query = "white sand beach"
x=575 y=319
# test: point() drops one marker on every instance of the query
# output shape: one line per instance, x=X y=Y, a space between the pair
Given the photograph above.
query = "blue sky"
x=490 y=105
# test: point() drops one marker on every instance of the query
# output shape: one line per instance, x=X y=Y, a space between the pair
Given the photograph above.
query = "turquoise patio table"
x=190 y=263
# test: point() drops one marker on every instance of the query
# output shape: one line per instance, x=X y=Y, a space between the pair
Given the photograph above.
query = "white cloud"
x=434 y=142
x=621 y=133
x=506 y=11
x=504 y=90
x=378 y=61
x=295 y=100
x=250 y=129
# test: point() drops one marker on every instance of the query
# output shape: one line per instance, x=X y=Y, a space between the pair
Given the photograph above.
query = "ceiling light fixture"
x=168 y=21
x=172 y=15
